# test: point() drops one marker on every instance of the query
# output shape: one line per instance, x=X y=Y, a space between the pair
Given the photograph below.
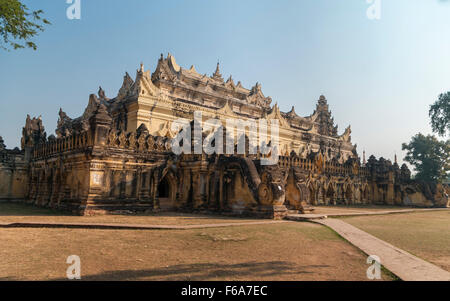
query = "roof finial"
x=142 y=67
x=101 y=93
x=217 y=68
x=364 y=158
x=217 y=74
x=396 y=162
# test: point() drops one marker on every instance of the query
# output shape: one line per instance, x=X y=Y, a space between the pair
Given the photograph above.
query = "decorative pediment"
x=230 y=83
x=165 y=70
x=256 y=97
x=143 y=85
x=292 y=113
x=208 y=87
x=192 y=70
x=166 y=131
x=91 y=107
x=313 y=117
x=227 y=110
x=126 y=86
x=142 y=130
x=276 y=114
x=64 y=125
x=346 y=137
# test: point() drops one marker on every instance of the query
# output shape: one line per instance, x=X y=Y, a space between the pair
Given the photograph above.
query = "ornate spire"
x=396 y=162
x=217 y=75
x=364 y=158
x=324 y=119
x=322 y=100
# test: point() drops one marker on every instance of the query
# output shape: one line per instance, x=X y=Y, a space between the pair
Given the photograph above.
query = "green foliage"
x=440 y=115
x=18 y=25
x=430 y=157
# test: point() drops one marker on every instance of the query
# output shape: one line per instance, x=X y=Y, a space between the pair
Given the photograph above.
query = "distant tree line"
x=429 y=155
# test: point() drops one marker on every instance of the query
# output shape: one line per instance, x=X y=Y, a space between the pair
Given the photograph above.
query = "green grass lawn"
x=424 y=234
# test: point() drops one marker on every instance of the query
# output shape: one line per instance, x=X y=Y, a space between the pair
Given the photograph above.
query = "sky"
x=379 y=76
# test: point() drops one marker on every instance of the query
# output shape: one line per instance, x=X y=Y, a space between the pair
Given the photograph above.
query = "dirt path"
x=403 y=264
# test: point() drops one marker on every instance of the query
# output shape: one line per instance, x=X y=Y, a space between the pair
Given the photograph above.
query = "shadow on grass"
x=8 y=208
x=208 y=271
x=24 y=209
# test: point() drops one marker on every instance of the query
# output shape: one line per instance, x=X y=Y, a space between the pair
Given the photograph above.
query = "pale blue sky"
x=379 y=76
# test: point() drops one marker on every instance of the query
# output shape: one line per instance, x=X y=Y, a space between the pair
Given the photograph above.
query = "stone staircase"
x=306 y=209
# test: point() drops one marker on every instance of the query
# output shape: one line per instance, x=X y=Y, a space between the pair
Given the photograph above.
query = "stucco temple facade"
x=117 y=156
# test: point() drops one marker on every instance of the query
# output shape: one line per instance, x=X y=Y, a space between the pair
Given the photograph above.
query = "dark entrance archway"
x=164 y=193
x=163 y=189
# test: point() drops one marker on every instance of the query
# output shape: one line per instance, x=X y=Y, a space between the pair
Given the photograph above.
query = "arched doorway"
x=165 y=195
x=163 y=189
x=349 y=195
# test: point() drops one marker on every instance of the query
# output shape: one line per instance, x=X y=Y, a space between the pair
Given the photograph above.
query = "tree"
x=18 y=25
x=440 y=115
x=430 y=157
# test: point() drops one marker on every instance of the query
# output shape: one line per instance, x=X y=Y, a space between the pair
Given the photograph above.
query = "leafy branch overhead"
x=440 y=115
x=18 y=25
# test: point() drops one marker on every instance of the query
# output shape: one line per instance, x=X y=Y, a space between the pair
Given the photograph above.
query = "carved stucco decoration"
x=112 y=138
x=275 y=114
x=123 y=141
x=256 y=97
x=126 y=87
x=132 y=141
x=227 y=110
x=143 y=86
x=166 y=130
x=346 y=137
x=320 y=163
x=150 y=143
x=142 y=143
